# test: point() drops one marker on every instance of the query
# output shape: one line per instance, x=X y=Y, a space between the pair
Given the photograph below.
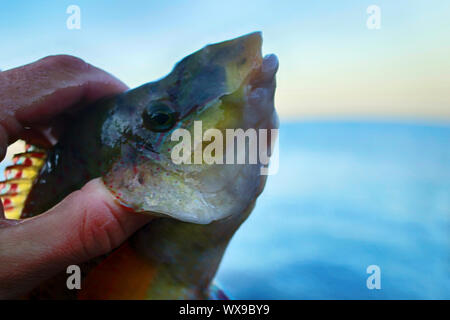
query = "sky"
x=331 y=64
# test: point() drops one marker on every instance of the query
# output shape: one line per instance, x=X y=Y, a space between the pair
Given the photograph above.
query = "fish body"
x=128 y=141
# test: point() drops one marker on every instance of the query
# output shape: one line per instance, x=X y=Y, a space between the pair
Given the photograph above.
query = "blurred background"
x=364 y=164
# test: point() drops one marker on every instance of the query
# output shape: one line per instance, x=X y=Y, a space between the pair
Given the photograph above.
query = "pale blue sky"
x=331 y=64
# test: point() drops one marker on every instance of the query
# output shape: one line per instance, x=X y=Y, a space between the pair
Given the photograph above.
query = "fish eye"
x=159 y=117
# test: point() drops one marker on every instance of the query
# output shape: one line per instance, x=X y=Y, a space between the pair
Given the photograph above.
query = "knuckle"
x=66 y=62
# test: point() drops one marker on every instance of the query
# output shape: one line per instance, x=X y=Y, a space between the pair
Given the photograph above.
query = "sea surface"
x=348 y=195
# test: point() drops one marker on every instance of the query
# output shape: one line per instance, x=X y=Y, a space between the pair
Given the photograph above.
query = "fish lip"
x=265 y=72
x=259 y=109
x=270 y=64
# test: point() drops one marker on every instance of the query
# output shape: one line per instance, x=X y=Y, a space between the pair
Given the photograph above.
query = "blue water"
x=348 y=195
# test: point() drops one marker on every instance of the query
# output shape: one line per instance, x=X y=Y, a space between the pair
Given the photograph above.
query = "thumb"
x=86 y=224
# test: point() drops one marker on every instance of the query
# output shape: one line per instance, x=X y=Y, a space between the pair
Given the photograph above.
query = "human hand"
x=88 y=222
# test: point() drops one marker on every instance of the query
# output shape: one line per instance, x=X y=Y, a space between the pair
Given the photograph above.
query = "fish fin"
x=19 y=179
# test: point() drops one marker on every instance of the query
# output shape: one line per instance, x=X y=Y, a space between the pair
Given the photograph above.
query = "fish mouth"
x=260 y=109
x=265 y=76
x=262 y=80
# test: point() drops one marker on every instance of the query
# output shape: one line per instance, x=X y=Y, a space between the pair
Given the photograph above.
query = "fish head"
x=172 y=138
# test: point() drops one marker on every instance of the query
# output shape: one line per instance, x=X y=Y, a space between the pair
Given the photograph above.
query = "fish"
x=139 y=143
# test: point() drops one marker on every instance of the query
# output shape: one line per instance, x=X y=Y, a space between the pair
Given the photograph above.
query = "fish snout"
x=261 y=109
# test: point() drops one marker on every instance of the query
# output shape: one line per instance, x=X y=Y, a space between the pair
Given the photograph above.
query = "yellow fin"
x=19 y=179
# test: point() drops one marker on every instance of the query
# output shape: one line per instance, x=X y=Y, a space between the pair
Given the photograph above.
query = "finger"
x=36 y=93
x=86 y=224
